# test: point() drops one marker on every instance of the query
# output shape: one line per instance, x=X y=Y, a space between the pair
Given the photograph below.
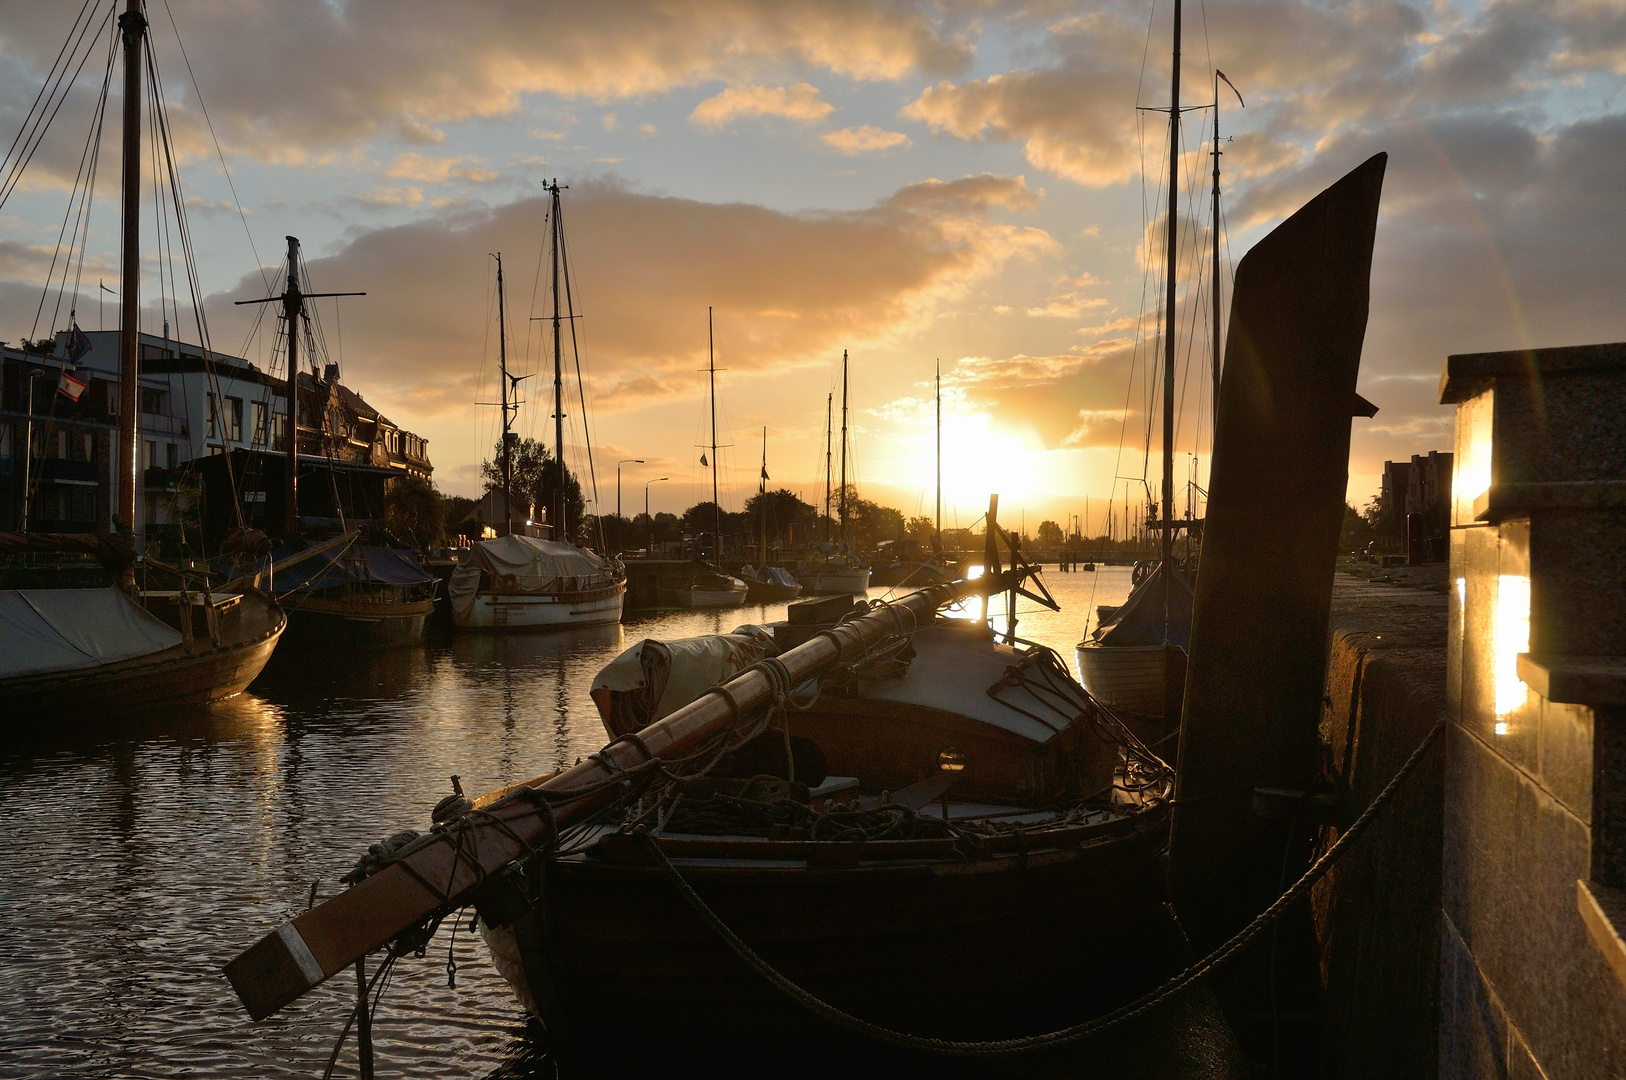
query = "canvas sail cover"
x=46 y=630
x=1143 y=620
x=654 y=679
x=525 y=564
x=357 y=563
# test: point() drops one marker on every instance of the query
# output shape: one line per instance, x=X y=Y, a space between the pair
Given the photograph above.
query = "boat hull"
x=188 y=674
x=835 y=581
x=1127 y=678
x=958 y=948
x=356 y=623
x=769 y=593
x=701 y=597
x=549 y=611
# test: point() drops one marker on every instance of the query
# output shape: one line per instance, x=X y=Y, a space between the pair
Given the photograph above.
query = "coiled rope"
x=1026 y=1044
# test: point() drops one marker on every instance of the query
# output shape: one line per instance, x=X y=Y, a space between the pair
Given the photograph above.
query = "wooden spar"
x=446 y=872
x=132 y=25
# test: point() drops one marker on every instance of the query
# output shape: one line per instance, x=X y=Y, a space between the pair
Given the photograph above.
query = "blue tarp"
x=357 y=563
x=1143 y=619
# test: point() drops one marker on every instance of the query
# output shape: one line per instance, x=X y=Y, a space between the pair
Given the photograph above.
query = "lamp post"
x=28 y=446
x=657 y=480
x=623 y=461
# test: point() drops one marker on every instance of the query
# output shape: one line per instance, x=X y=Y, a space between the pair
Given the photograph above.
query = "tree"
x=534 y=480
x=45 y=346
x=415 y=512
x=785 y=510
x=922 y=528
x=1050 y=534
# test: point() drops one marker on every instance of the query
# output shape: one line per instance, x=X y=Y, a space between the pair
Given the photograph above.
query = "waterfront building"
x=189 y=410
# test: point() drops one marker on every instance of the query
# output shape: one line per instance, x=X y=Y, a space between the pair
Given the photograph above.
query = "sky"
x=970 y=185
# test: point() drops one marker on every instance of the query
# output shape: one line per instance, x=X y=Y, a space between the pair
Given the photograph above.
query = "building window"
x=234 y=419
x=5 y=441
x=261 y=415
x=62 y=445
x=150 y=457
x=152 y=401
x=172 y=462
x=209 y=428
x=84 y=446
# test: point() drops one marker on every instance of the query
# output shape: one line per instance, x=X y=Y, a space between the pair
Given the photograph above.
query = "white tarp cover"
x=524 y=564
x=67 y=629
x=677 y=671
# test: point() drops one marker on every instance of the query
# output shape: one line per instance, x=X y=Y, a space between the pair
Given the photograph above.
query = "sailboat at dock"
x=154 y=635
x=767 y=584
x=519 y=581
x=836 y=570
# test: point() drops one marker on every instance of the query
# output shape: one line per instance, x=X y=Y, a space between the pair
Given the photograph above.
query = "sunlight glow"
x=1510 y=637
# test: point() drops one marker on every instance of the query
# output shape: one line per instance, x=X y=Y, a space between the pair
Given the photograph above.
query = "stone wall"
x=1377 y=914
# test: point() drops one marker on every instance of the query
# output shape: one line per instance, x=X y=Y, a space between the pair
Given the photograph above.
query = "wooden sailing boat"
x=840 y=571
x=948 y=822
x=767 y=584
x=364 y=594
x=1135 y=659
x=518 y=581
x=718 y=589
x=73 y=650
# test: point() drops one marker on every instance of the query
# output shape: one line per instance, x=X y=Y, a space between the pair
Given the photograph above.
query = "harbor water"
x=138 y=856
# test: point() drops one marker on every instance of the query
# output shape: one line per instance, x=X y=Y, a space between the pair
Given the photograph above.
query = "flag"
x=70 y=387
x=703 y=460
x=1232 y=85
x=78 y=344
x=765 y=472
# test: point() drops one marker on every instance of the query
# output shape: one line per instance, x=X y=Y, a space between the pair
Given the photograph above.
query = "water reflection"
x=138 y=856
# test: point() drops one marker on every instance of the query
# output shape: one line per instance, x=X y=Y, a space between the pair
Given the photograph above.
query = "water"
x=138 y=857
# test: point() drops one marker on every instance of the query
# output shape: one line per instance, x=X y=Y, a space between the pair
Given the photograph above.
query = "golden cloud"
x=864 y=139
x=800 y=102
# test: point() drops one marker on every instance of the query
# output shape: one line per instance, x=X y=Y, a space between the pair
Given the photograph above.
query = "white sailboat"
x=519 y=582
x=841 y=572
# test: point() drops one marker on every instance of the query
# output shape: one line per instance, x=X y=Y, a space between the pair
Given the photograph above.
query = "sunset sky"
x=910 y=182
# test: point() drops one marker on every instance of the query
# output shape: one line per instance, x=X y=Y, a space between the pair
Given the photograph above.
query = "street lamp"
x=623 y=461
x=28 y=445
x=657 y=480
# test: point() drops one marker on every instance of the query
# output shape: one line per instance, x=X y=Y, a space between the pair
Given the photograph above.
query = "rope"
x=1025 y=1044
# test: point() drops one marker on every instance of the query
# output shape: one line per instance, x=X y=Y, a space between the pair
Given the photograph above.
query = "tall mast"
x=507 y=409
x=762 y=496
x=1216 y=231
x=133 y=25
x=711 y=367
x=939 y=395
x=828 y=399
x=293 y=306
x=1168 y=301
x=843 y=448
x=560 y=529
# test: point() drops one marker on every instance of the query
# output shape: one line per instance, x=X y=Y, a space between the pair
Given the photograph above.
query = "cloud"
x=800 y=102
x=427 y=170
x=288 y=84
x=864 y=139
x=789 y=288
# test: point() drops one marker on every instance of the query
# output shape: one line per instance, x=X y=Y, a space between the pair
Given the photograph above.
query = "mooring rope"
x=1028 y=1043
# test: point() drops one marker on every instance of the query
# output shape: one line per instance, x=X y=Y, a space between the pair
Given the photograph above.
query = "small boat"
x=834 y=576
x=769 y=585
x=722 y=590
x=363 y=596
x=525 y=583
x=1134 y=661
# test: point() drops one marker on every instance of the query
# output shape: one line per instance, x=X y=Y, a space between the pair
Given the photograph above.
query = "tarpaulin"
x=525 y=564
x=654 y=679
x=66 y=629
x=356 y=564
x=1143 y=618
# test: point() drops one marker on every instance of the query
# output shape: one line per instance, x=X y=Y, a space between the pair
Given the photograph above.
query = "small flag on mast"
x=78 y=344
x=703 y=460
x=70 y=387
x=765 y=472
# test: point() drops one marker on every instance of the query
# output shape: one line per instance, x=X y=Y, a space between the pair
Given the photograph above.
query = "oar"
x=439 y=876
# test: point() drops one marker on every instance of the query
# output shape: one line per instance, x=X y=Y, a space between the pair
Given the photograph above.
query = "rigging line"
x=581 y=390
x=82 y=228
x=77 y=19
x=84 y=158
x=204 y=108
x=42 y=124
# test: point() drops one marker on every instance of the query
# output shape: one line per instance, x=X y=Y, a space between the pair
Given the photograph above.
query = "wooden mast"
x=507 y=434
x=561 y=526
x=132 y=26
x=293 y=305
x=762 y=494
x=293 y=310
x=1167 y=554
x=828 y=402
x=843 y=449
x=939 y=396
x=716 y=508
